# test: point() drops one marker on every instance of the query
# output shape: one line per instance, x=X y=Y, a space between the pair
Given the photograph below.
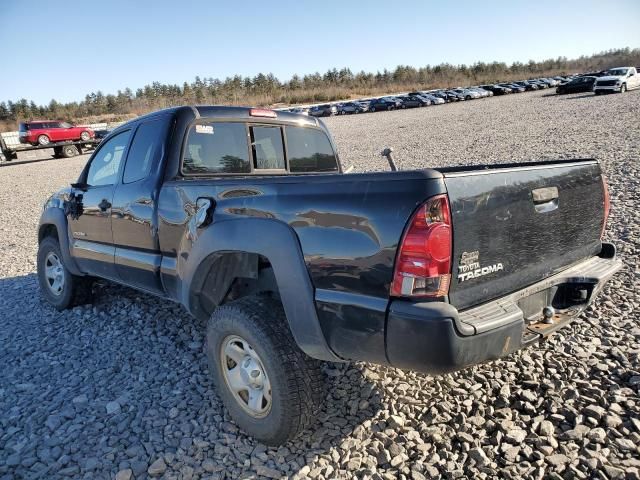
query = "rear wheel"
x=271 y=389
x=43 y=140
x=58 y=285
x=69 y=151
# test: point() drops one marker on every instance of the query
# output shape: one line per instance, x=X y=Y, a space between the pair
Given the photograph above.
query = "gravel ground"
x=120 y=389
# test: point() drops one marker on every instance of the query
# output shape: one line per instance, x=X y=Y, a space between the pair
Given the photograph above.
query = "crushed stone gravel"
x=120 y=389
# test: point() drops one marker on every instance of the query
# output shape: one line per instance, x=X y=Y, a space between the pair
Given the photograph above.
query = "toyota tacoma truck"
x=245 y=217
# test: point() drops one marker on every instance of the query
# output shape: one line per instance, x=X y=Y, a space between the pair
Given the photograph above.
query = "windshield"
x=617 y=71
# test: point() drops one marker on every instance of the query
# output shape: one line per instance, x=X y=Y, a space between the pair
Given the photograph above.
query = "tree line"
x=267 y=90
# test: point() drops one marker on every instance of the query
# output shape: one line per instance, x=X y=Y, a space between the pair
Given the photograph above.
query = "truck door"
x=92 y=240
x=134 y=217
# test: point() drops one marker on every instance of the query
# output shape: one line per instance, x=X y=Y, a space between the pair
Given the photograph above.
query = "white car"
x=299 y=110
x=433 y=99
x=468 y=94
x=618 y=79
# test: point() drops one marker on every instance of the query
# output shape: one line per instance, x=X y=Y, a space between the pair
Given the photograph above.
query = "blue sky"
x=77 y=47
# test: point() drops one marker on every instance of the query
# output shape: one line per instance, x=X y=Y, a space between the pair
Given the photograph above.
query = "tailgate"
x=516 y=225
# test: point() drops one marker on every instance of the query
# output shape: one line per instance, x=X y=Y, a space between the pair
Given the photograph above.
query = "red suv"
x=44 y=132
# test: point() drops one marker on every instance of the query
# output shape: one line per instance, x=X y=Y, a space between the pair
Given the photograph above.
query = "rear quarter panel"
x=348 y=227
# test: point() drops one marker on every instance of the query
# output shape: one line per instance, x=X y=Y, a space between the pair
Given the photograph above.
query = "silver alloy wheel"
x=245 y=376
x=85 y=136
x=54 y=273
x=43 y=140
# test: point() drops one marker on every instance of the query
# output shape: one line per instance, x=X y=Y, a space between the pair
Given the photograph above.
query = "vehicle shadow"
x=578 y=97
x=131 y=368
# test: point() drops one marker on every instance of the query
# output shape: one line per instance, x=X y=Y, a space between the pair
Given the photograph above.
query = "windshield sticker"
x=204 y=129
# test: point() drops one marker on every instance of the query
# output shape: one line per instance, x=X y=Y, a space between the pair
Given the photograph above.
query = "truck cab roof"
x=188 y=120
x=230 y=113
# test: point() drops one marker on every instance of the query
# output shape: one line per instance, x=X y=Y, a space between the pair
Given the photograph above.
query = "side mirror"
x=80 y=186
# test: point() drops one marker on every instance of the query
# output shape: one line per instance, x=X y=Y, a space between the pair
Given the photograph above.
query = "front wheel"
x=271 y=389
x=623 y=88
x=58 y=285
x=85 y=137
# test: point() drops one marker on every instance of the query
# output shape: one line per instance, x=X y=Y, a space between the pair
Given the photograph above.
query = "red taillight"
x=423 y=263
x=262 y=112
x=607 y=204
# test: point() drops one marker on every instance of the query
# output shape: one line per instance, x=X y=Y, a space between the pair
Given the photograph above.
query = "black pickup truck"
x=245 y=217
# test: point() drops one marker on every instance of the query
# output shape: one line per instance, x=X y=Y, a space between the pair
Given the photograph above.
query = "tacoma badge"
x=469 y=266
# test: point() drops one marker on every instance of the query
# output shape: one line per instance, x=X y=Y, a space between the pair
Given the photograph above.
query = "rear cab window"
x=223 y=148
x=309 y=150
x=267 y=147
x=216 y=148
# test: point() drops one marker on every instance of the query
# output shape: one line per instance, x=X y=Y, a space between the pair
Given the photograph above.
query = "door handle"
x=545 y=199
x=542 y=195
x=104 y=205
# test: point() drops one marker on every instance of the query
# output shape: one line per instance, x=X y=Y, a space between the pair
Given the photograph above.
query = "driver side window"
x=105 y=165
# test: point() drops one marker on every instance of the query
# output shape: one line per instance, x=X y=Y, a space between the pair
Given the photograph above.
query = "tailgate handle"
x=545 y=199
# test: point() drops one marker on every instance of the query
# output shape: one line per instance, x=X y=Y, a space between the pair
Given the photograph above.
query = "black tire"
x=297 y=382
x=468 y=97
x=372 y=109
x=43 y=140
x=75 y=291
x=85 y=136
x=69 y=151
x=623 y=88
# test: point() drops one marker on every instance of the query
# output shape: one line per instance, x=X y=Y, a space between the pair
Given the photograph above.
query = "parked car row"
x=426 y=98
x=616 y=79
